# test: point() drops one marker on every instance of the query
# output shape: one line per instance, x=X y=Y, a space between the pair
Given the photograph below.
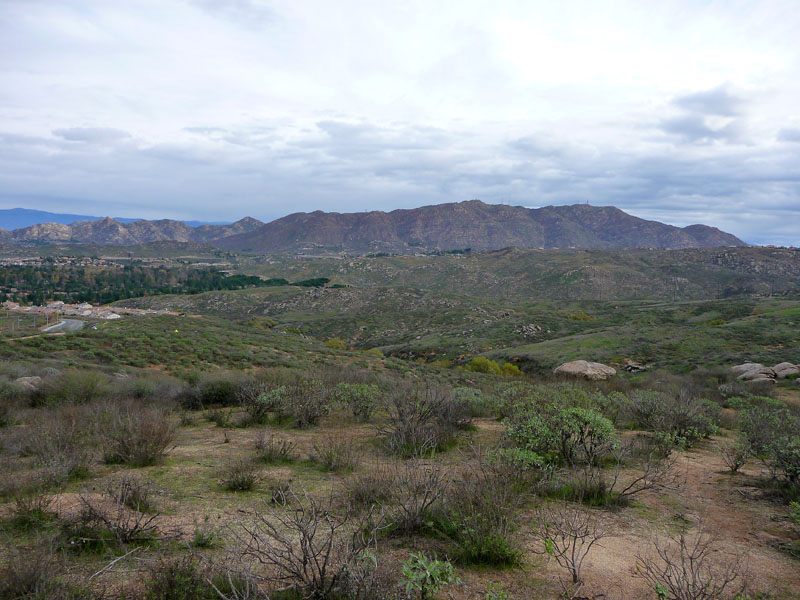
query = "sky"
x=679 y=111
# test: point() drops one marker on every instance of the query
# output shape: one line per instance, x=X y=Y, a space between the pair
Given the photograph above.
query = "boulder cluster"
x=758 y=372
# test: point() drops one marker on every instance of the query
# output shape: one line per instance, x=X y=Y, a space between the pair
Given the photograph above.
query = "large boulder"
x=28 y=384
x=745 y=367
x=588 y=370
x=784 y=369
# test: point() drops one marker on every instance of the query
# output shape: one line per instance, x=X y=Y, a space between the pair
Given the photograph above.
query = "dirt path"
x=710 y=496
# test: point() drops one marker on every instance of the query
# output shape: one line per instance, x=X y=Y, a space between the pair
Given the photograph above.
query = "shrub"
x=178 y=580
x=424 y=576
x=417 y=489
x=137 y=435
x=32 y=509
x=370 y=488
x=360 y=398
x=421 y=422
x=680 y=414
x=480 y=404
x=271 y=449
x=335 y=454
x=260 y=400
x=481 y=364
x=78 y=387
x=335 y=557
x=569 y=434
x=735 y=455
x=478 y=517
x=215 y=390
x=774 y=435
x=239 y=476
x=511 y=370
x=306 y=402
x=336 y=343
x=61 y=440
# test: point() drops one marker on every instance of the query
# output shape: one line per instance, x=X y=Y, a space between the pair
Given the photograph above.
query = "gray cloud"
x=92 y=135
x=788 y=134
x=718 y=101
x=695 y=129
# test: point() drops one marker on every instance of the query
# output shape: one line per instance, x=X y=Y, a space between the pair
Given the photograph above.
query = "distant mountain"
x=16 y=218
x=472 y=224
x=112 y=232
x=441 y=227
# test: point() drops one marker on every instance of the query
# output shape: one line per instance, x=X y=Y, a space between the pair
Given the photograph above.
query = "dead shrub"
x=271 y=449
x=311 y=549
x=60 y=440
x=108 y=522
x=417 y=488
x=421 y=422
x=239 y=476
x=568 y=532
x=683 y=567
x=37 y=572
x=135 y=434
x=336 y=454
x=131 y=491
x=371 y=487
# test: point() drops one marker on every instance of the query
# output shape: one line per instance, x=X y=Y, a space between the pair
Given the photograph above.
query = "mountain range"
x=441 y=227
x=17 y=218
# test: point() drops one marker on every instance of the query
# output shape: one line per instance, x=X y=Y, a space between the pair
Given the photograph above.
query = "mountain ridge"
x=473 y=224
x=440 y=227
x=18 y=218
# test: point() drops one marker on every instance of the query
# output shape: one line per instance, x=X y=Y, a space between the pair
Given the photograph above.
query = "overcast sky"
x=684 y=112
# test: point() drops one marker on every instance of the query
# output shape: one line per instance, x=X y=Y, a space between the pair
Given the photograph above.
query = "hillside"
x=472 y=224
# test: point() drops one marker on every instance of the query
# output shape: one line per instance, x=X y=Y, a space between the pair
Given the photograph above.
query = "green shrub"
x=481 y=364
x=680 y=414
x=424 y=577
x=360 y=398
x=336 y=343
x=260 y=400
x=78 y=387
x=570 y=435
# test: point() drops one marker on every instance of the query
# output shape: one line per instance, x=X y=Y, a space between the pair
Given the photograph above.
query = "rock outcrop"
x=28 y=384
x=758 y=372
x=593 y=371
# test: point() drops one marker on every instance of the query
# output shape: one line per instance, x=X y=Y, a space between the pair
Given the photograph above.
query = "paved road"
x=65 y=325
